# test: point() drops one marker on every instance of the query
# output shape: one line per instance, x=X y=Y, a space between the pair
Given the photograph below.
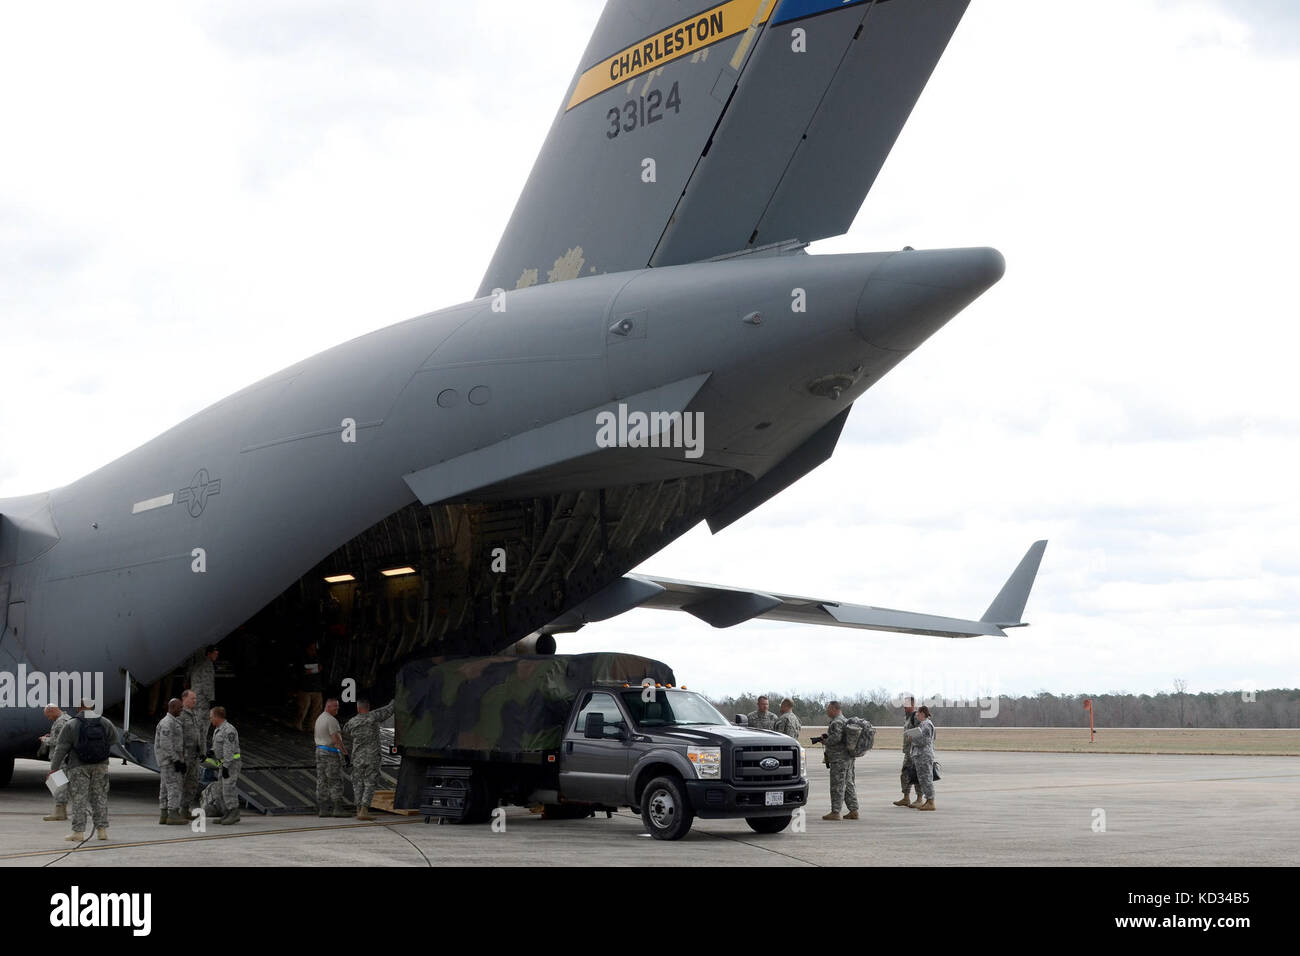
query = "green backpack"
x=859 y=736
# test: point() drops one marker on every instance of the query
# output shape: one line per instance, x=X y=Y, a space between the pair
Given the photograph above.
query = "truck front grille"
x=748 y=766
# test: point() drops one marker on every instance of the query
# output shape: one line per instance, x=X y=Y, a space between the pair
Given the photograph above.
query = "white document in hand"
x=56 y=780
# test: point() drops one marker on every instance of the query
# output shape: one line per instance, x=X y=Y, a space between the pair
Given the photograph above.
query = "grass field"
x=1109 y=740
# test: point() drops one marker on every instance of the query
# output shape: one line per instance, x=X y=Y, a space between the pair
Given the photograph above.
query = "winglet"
x=1009 y=605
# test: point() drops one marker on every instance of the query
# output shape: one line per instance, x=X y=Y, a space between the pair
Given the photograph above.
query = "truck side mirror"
x=740 y=720
x=594 y=728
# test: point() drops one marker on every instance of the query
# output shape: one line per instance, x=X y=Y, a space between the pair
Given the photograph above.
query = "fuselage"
x=176 y=544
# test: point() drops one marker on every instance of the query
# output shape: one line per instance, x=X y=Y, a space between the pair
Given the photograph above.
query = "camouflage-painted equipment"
x=503 y=705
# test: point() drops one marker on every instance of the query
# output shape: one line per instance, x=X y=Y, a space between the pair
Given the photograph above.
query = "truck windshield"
x=670 y=708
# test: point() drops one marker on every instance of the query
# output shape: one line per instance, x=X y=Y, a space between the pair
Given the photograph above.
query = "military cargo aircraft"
x=651 y=347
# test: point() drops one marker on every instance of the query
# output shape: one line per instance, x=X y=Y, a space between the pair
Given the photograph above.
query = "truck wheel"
x=665 y=810
x=6 y=769
x=768 y=824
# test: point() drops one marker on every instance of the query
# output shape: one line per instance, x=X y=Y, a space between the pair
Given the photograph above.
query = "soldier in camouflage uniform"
x=169 y=752
x=361 y=738
x=330 y=751
x=194 y=738
x=907 y=775
x=225 y=747
x=203 y=681
x=840 y=761
x=788 y=723
x=762 y=719
x=922 y=737
x=87 y=781
x=60 y=720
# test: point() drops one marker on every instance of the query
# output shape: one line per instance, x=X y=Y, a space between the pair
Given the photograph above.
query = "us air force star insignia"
x=196 y=495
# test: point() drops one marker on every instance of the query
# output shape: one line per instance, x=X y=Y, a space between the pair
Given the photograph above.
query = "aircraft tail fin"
x=687 y=135
x=1009 y=606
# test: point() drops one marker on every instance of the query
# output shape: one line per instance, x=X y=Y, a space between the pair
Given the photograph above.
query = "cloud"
x=202 y=196
x=1272 y=26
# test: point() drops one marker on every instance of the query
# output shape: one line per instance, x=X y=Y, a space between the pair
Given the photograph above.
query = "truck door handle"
x=568 y=746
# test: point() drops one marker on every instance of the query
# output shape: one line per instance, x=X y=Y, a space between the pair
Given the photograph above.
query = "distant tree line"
x=1268 y=709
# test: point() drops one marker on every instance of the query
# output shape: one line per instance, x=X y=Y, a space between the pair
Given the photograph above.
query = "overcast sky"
x=194 y=196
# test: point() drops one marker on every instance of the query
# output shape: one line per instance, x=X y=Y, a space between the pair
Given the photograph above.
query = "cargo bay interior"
x=446 y=579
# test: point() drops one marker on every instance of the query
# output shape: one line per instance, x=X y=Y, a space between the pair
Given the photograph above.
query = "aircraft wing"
x=725 y=606
x=694 y=131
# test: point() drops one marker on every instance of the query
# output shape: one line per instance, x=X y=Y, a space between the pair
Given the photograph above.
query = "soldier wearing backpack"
x=840 y=759
x=82 y=751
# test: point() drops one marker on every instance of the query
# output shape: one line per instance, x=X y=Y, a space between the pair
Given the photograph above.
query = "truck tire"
x=665 y=811
x=768 y=824
x=6 y=769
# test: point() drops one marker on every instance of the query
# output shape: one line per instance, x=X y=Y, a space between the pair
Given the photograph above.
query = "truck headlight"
x=707 y=761
x=803 y=763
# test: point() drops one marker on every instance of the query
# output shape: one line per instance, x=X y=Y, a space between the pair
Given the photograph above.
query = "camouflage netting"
x=504 y=704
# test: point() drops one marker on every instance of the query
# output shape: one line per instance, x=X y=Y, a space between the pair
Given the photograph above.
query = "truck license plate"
x=774 y=799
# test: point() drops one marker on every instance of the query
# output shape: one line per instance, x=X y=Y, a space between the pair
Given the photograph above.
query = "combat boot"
x=60 y=813
x=176 y=819
x=231 y=816
x=162 y=816
x=340 y=811
x=833 y=815
x=75 y=836
x=102 y=833
x=363 y=813
x=928 y=805
x=851 y=815
x=916 y=805
x=905 y=802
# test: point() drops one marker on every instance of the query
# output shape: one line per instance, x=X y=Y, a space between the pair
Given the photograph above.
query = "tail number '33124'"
x=648 y=108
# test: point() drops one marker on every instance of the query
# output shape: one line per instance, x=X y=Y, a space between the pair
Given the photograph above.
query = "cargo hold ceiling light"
x=394 y=572
x=338 y=578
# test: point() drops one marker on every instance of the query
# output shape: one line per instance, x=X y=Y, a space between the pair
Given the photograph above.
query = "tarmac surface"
x=1030 y=809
